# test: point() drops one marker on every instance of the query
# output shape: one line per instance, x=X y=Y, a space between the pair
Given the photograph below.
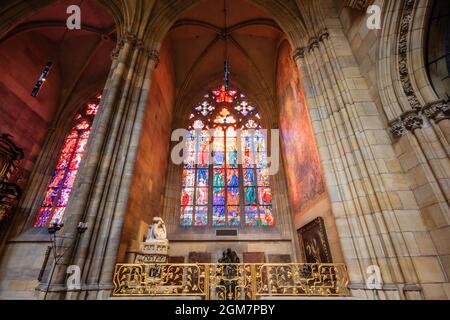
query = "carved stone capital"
x=299 y=53
x=437 y=111
x=412 y=120
x=116 y=51
x=398 y=128
x=127 y=38
x=153 y=54
x=324 y=34
x=136 y=44
x=409 y=121
x=313 y=43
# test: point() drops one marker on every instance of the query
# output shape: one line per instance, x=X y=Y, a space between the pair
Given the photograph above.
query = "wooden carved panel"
x=314 y=242
x=10 y=174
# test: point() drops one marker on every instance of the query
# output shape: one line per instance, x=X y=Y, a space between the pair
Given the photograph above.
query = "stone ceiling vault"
x=197 y=42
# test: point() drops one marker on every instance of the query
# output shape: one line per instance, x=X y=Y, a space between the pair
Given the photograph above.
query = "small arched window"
x=60 y=187
x=230 y=188
x=438 y=49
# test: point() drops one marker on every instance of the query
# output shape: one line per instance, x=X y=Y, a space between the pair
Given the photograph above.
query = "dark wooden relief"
x=314 y=242
x=10 y=175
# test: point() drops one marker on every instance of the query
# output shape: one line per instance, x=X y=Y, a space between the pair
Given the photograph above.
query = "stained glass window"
x=60 y=186
x=225 y=181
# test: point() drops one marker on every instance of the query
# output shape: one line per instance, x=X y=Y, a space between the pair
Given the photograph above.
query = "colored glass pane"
x=266 y=216
x=201 y=196
x=264 y=196
x=250 y=195
x=263 y=177
x=59 y=189
x=81 y=146
x=202 y=177
x=186 y=217
x=188 y=177
x=44 y=215
x=249 y=177
x=64 y=198
x=201 y=216
x=219 y=178
x=251 y=216
x=69 y=146
x=70 y=178
x=92 y=109
x=225 y=178
x=219 y=196
x=75 y=163
x=187 y=198
x=50 y=197
x=233 y=216
x=233 y=196
x=57 y=179
x=64 y=161
x=218 y=215
x=233 y=177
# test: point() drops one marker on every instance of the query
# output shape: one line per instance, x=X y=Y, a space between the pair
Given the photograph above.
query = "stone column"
x=361 y=170
x=420 y=125
x=101 y=192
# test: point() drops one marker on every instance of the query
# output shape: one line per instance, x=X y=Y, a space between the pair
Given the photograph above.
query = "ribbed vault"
x=200 y=42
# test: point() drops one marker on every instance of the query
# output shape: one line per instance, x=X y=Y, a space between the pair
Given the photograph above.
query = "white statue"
x=156 y=231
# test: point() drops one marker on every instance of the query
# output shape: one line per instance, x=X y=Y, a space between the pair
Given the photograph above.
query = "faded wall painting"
x=304 y=174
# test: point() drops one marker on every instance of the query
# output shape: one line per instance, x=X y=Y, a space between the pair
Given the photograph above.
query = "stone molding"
x=437 y=111
x=408 y=121
x=361 y=5
x=313 y=43
x=403 y=46
x=413 y=119
x=135 y=43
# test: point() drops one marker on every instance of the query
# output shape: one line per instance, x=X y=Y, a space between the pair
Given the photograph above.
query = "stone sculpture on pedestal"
x=156 y=246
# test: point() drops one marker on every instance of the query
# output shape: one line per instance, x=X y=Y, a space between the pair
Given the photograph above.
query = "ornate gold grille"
x=230 y=281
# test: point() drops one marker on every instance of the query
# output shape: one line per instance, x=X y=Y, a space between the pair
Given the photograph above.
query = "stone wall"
x=306 y=185
x=149 y=175
x=419 y=159
x=22 y=116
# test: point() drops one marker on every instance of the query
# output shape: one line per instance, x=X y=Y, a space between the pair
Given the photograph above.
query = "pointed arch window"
x=223 y=191
x=60 y=187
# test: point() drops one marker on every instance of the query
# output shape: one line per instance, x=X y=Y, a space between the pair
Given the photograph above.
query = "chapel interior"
x=355 y=119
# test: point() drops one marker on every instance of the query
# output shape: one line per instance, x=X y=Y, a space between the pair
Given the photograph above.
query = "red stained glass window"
x=218 y=188
x=60 y=187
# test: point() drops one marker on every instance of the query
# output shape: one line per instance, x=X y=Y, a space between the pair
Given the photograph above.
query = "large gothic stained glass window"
x=225 y=190
x=60 y=186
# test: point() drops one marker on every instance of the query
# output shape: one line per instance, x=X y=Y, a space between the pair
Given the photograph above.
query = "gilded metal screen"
x=230 y=281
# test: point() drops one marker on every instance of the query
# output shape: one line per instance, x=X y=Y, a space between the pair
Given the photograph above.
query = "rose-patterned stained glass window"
x=59 y=189
x=218 y=188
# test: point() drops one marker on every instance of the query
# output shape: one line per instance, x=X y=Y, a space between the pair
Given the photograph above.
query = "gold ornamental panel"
x=231 y=281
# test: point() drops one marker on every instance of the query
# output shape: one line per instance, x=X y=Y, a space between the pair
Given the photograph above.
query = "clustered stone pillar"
x=420 y=125
x=351 y=143
x=101 y=192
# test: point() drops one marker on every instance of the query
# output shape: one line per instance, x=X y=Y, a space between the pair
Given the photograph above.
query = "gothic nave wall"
x=381 y=134
x=25 y=118
x=40 y=125
x=421 y=153
x=153 y=158
x=280 y=238
x=306 y=185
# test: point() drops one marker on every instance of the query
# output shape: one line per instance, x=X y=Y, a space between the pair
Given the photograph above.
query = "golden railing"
x=231 y=281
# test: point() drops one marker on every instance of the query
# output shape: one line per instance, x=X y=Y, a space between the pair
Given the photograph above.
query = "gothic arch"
x=77 y=91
